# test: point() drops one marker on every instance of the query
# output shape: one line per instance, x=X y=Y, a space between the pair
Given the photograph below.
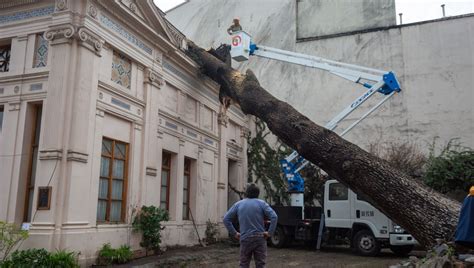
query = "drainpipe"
x=442 y=7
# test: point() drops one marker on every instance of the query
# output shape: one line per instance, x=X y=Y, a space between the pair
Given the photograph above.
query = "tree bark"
x=424 y=213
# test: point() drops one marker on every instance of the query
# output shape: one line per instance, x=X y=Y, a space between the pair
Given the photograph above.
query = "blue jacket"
x=251 y=213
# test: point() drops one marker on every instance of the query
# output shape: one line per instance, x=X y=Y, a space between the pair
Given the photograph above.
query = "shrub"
x=28 y=258
x=10 y=236
x=211 y=232
x=63 y=258
x=404 y=156
x=109 y=255
x=41 y=258
x=148 y=221
x=451 y=170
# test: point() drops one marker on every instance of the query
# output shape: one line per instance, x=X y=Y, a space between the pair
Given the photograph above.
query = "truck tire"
x=402 y=251
x=278 y=239
x=366 y=244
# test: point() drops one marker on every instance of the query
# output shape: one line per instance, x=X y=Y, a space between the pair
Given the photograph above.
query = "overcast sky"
x=413 y=10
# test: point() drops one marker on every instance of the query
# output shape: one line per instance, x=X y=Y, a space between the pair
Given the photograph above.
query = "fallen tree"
x=426 y=214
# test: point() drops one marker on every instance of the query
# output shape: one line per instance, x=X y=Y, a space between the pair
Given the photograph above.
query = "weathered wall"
x=319 y=17
x=433 y=62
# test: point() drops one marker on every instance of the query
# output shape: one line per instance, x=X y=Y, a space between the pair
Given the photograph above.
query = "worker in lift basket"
x=251 y=212
x=235 y=27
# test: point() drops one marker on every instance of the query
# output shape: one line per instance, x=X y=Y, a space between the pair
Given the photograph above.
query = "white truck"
x=343 y=214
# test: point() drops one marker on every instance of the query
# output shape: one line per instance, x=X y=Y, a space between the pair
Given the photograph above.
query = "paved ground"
x=226 y=255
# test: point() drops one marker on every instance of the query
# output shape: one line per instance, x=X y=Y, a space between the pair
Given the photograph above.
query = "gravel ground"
x=226 y=255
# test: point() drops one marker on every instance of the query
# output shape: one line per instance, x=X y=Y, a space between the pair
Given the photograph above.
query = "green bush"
x=148 y=221
x=63 y=258
x=451 y=170
x=41 y=258
x=10 y=236
x=109 y=255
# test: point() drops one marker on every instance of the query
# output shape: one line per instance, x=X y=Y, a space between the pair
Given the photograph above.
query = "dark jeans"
x=256 y=246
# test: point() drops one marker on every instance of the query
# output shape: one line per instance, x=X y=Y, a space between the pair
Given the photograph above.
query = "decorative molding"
x=51 y=154
x=63 y=31
x=117 y=28
x=92 y=11
x=76 y=156
x=221 y=185
x=14 y=106
x=100 y=113
x=159 y=133
x=153 y=77
x=12 y=3
x=181 y=141
x=223 y=119
x=179 y=38
x=22 y=37
x=133 y=7
x=244 y=132
x=151 y=171
x=61 y=5
x=90 y=40
x=16 y=89
x=137 y=127
x=23 y=15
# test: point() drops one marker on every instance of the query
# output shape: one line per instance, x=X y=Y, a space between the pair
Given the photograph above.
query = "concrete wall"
x=319 y=17
x=433 y=62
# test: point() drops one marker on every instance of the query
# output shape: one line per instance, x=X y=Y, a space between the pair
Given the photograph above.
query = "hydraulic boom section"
x=376 y=81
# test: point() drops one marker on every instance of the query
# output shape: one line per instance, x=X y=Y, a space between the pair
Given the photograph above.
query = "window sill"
x=112 y=225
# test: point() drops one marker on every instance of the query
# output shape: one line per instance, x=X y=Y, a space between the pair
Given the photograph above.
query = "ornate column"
x=152 y=84
x=222 y=178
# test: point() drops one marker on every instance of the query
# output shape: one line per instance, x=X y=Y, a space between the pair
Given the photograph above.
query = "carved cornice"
x=90 y=40
x=61 y=5
x=153 y=77
x=65 y=31
x=76 y=156
x=12 y=3
x=222 y=119
x=92 y=11
x=51 y=154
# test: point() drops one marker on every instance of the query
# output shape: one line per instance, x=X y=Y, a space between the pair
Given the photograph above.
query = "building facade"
x=101 y=112
x=433 y=61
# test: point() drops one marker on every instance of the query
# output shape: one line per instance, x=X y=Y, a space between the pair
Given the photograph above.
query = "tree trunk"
x=426 y=214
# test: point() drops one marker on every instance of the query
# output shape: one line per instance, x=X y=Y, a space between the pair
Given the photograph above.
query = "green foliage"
x=10 y=236
x=211 y=232
x=109 y=255
x=148 y=221
x=452 y=169
x=41 y=258
x=264 y=165
x=63 y=258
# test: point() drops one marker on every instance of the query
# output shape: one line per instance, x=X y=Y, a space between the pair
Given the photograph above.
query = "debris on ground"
x=443 y=255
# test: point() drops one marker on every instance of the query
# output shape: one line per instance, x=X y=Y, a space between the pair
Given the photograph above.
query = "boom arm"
x=374 y=80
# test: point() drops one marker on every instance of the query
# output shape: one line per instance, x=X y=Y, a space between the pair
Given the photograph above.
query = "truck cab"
x=368 y=229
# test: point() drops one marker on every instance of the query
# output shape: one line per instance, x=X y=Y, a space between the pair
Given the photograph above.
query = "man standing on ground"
x=251 y=213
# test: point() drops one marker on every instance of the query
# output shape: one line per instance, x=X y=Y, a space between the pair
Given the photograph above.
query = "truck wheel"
x=401 y=251
x=366 y=244
x=278 y=239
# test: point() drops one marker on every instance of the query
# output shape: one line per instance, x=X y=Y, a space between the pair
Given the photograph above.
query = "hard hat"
x=471 y=191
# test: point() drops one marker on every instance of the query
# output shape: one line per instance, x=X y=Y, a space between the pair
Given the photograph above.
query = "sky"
x=413 y=10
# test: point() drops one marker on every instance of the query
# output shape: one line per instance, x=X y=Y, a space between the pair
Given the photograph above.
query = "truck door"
x=363 y=212
x=337 y=205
